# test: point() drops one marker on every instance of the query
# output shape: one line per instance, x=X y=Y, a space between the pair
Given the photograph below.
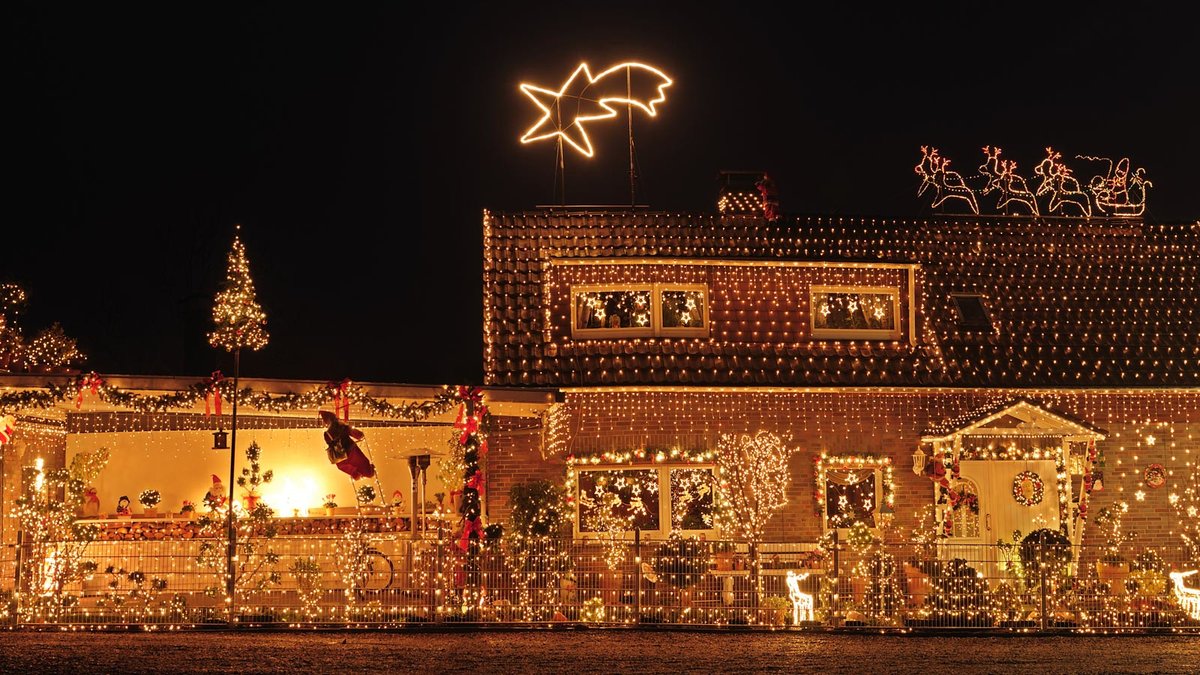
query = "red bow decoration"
x=468 y=423
x=91 y=380
x=341 y=399
x=471 y=394
x=471 y=526
x=215 y=391
x=477 y=483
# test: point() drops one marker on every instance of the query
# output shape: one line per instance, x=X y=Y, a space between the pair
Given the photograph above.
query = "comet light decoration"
x=585 y=98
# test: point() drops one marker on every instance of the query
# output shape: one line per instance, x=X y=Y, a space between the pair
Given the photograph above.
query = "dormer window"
x=854 y=312
x=639 y=310
x=972 y=314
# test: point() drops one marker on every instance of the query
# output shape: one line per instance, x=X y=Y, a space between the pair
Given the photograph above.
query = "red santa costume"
x=342 y=448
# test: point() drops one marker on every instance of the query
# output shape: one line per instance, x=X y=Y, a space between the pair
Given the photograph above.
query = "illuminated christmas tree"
x=240 y=320
x=52 y=350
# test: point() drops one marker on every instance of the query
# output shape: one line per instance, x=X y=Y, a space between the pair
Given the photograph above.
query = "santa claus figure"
x=8 y=424
x=217 y=495
x=341 y=447
x=91 y=503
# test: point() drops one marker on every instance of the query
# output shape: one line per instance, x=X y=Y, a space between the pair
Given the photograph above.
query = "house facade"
x=1047 y=367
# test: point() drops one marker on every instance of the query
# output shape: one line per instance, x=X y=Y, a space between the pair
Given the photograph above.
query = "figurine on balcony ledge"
x=123 y=506
x=91 y=503
x=217 y=495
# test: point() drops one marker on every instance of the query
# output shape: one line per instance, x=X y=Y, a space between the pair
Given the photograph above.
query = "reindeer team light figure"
x=1120 y=192
x=802 y=603
x=585 y=98
x=1189 y=598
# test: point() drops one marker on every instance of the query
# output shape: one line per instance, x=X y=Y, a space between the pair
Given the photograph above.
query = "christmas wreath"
x=1036 y=487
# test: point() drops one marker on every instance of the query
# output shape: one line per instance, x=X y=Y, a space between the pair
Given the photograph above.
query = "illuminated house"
x=1057 y=360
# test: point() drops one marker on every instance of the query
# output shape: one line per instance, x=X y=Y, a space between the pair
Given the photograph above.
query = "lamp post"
x=231 y=531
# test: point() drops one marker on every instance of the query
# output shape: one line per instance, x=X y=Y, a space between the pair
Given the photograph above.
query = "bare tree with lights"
x=752 y=480
x=240 y=323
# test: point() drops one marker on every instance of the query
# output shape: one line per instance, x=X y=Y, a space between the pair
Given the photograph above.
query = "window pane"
x=691 y=499
x=854 y=311
x=683 y=309
x=613 y=309
x=850 y=498
x=621 y=499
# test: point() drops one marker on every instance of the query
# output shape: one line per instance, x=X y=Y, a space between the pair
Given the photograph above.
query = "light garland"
x=752 y=480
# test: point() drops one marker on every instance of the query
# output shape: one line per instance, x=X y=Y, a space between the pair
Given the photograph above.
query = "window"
x=613 y=311
x=655 y=500
x=965 y=514
x=692 y=499
x=855 y=312
x=639 y=310
x=851 y=496
x=972 y=315
x=684 y=310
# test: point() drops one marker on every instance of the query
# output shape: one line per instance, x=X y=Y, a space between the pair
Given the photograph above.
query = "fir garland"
x=93 y=384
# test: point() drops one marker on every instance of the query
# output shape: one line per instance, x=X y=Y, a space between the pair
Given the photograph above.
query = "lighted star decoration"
x=585 y=98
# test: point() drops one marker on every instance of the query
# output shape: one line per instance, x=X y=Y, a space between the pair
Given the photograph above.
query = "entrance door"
x=999 y=511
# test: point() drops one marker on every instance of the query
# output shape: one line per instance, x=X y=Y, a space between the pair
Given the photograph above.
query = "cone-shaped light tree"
x=240 y=322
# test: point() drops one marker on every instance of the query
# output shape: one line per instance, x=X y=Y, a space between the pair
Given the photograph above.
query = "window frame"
x=682 y=331
x=655 y=329
x=852 y=333
x=664 y=499
x=630 y=332
x=877 y=473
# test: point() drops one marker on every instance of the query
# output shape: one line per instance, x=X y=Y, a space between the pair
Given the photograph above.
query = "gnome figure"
x=217 y=494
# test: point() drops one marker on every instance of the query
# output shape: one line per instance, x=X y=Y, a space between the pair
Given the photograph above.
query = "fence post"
x=18 y=595
x=637 y=564
x=1042 y=583
x=440 y=570
x=837 y=583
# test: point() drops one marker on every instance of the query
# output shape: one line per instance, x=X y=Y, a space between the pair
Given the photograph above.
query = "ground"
x=607 y=651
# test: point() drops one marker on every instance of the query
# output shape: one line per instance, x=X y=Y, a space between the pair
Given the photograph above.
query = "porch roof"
x=1019 y=415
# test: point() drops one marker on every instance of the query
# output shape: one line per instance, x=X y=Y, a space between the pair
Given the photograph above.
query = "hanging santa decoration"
x=341 y=447
x=8 y=425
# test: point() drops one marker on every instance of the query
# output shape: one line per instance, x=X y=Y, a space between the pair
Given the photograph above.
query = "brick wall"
x=867 y=422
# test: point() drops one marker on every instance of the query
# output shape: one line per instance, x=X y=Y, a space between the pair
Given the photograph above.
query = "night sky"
x=358 y=144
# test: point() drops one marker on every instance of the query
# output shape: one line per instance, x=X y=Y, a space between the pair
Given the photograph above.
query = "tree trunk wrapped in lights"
x=752 y=480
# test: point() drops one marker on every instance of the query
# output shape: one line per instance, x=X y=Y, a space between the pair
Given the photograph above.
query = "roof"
x=1073 y=302
x=1014 y=415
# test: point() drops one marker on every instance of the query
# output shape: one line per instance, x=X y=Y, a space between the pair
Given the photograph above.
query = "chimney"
x=747 y=193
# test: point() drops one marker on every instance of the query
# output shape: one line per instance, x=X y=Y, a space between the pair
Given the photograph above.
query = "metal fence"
x=388 y=579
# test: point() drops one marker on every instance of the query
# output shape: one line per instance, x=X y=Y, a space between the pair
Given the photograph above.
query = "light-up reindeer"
x=1189 y=598
x=946 y=184
x=802 y=603
x=1062 y=186
x=1002 y=175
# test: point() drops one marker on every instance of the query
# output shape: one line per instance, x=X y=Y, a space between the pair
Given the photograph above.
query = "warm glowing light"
x=1189 y=598
x=586 y=98
x=802 y=603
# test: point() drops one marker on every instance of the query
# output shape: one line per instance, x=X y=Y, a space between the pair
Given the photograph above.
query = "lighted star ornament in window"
x=585 y=98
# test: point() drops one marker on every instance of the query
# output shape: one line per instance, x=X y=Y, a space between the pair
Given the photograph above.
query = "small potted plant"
x=188 y=512
x=330 y=505
x=776 y=608
x=149 y=499
x=366 y=498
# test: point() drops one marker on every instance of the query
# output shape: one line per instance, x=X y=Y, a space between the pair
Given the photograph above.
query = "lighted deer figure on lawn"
x=946 y=184
x=1002 y=175
x=1062 y=186
x=1189 y=598
x=802 y=603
